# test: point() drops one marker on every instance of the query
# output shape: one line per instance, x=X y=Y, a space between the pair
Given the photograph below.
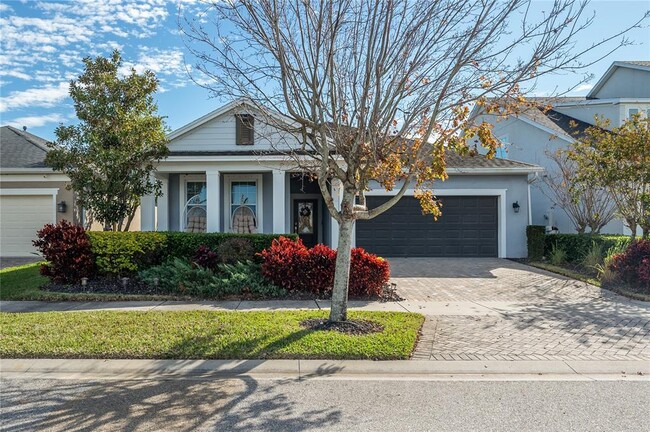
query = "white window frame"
x=182 y=193
x=228 y=179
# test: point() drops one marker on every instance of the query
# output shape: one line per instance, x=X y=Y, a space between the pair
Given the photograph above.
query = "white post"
x=148 y=213
x=163 y=206
x=279 y=188
x=213 y=200
x=337 y=196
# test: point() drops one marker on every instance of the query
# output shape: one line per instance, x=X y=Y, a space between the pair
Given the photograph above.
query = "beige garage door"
x=20 y=217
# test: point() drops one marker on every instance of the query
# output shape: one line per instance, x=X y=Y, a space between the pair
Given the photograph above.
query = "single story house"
x=225 y=174
x=31 y=194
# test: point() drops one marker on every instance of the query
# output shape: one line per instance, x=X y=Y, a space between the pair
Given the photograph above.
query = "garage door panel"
x=20 y=217
x=467 y=227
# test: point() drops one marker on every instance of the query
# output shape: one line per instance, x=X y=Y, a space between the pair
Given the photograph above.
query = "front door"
x=305 y=220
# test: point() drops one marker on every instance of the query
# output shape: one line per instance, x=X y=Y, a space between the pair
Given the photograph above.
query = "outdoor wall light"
x=516 y=206
x=62 y=207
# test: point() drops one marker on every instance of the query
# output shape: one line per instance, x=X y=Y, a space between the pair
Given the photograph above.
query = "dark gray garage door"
x=467 y=228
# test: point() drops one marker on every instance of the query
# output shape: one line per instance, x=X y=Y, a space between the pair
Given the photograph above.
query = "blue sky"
x=42 y=44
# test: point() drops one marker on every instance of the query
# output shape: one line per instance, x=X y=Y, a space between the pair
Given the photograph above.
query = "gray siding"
x=626 y=83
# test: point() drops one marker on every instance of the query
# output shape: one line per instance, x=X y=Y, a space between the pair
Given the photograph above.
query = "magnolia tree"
x=619 y=160
x=112 y=153
x=587 y=204
x=379 y=91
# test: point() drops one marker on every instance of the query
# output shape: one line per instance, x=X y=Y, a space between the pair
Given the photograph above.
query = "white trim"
x=530 y=208
x=29 y=191
x=227 y=186
x=213 y=199
x=10 y=170
x=532 y=122
x=499 y=193
x=607 y=101
x=279 y=187
x=44 y=177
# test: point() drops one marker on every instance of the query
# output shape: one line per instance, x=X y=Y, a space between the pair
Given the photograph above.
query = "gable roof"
x=631 y=64
x=21 y=149
x=561 y=124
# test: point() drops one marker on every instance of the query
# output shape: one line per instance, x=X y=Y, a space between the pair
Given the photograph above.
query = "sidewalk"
x=423 y=307
x=322 y=369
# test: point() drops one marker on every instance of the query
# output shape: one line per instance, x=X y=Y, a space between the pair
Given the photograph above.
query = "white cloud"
x=47 y=96
x=582 y=88
x=36 y=121
x=15 y=73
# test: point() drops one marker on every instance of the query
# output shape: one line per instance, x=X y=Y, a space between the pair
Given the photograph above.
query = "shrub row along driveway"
x=494 y=309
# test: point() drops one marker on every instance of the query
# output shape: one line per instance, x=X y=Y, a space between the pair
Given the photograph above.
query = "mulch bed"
x=351 y=327
x=107 y=286
x=135 y=286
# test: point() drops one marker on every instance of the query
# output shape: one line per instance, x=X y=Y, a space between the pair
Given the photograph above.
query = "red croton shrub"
x=67 y=249
x=206 y=258
x=633 y=265
x=291 y=265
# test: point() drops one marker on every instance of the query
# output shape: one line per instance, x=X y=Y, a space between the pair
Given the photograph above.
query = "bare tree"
x=587 y=204
x=379 y=91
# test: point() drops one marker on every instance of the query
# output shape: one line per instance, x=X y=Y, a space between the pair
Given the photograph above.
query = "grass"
x=591 y=280
x=25 y=282
x=201 y=335
x=565 y=272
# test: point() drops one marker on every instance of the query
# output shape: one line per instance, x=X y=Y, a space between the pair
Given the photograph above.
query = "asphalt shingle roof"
x=638 y=62
x=21 y=149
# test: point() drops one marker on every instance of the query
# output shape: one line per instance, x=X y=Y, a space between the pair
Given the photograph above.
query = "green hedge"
x=184 y=245
x=535 y=238
x=123 y=253
x=577 y=245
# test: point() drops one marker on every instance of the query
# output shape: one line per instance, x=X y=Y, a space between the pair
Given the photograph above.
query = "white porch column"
x=279 y=188
x=148 y=213
x=213 y=196
x=163 y=206
x=337 y=196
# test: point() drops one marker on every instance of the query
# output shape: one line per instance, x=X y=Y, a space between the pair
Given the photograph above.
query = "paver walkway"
x=476 y=309
x=543 y=316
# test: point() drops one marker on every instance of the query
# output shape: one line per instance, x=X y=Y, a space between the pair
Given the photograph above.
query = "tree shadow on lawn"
x=179 y=404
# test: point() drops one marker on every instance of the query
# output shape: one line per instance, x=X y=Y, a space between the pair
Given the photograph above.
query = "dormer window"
x=245 y=130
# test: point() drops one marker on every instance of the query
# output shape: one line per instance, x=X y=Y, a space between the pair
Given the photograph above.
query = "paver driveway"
x=518 y=313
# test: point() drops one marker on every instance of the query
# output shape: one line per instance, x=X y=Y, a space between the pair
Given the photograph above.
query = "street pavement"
x=249 y=404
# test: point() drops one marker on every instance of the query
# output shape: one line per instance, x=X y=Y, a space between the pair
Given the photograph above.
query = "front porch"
x=240 y=201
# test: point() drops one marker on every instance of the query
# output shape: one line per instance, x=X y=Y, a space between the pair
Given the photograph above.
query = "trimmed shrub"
x=123 y=253
x=535 y=238
x=206 y=258
x=246 y=278
x=368 y=274
x=66 y=248
x=318 y=270
x=633 y=265
x=576 y=245
x=234 y=250
x=291 y=265
x=181 y=244
x=283 y=263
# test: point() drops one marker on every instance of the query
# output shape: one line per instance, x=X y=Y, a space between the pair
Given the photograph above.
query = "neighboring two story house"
x=225 y=174
x=622 y=91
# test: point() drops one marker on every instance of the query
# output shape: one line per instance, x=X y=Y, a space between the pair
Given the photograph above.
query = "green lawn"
x=25 y=282
x=200 y=335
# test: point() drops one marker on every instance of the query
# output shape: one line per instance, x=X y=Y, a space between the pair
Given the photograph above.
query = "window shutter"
x=245 y=129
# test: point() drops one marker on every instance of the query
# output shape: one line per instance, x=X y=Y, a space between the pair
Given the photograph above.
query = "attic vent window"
x=245 y=129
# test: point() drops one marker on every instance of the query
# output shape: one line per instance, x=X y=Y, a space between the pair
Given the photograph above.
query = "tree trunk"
x=339 y=309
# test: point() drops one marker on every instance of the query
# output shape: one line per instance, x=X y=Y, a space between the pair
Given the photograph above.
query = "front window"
x=195 y=212
x=243 y=207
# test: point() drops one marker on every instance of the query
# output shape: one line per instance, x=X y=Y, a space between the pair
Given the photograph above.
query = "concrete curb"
x=308 y=369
